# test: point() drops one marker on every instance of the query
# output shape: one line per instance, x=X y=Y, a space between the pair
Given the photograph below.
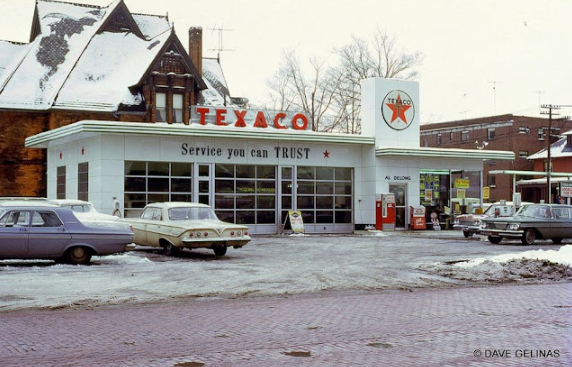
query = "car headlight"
x=514 y=227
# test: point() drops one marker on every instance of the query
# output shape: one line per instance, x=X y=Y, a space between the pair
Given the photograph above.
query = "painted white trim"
x=83 y=129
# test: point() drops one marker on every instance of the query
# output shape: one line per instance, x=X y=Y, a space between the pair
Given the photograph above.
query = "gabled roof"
x=78 y=58
x=559 y=149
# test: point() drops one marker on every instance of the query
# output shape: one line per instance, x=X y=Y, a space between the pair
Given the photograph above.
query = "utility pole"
x=548 y=134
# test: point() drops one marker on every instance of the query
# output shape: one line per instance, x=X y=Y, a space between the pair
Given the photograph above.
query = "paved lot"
x=525 y=325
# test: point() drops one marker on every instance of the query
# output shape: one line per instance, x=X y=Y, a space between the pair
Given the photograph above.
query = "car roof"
x=177 y=204
x=69 y=202
x=24 y=203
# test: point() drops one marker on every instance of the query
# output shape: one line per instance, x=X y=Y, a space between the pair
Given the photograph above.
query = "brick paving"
x=428 y=327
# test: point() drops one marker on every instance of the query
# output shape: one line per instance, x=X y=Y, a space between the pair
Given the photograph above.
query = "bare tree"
x=331 y=96
x=359 y=60
x=310 y=92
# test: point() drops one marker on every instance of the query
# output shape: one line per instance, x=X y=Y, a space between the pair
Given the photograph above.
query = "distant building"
x=520 y=134
x=534 y=187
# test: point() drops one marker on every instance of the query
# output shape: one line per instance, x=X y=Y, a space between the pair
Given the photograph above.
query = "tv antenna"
x=220 y=47
x=494 y=83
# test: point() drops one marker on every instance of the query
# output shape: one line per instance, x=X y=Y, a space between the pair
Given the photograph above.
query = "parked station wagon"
x=178 y=225
x=50 y=232
x=531 y=222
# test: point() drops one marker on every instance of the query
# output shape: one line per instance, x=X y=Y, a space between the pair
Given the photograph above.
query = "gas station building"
x=254 y=167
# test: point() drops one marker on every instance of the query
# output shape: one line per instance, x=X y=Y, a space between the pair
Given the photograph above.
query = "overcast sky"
x=482 y=57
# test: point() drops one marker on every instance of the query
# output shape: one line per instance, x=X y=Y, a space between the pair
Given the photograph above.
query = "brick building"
x=561 y=161
x=520 y=134
x=87 y=62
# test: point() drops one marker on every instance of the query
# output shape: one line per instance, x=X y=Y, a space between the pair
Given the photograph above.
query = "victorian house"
x=87 y=62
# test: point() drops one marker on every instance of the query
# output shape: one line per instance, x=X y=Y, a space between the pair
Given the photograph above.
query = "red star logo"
x=398 y=109
x=82 y=150
x=326 y=154
x=61 y=155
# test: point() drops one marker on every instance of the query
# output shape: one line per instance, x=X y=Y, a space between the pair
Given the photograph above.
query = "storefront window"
x=246 y=193
x=148 y=182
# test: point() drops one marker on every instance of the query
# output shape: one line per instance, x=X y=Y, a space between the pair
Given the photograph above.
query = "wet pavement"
x=508 y=325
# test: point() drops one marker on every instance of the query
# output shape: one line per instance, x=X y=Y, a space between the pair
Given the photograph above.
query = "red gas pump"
x=385 y=213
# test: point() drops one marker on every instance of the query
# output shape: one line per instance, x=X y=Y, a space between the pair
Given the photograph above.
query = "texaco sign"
x=398 y=110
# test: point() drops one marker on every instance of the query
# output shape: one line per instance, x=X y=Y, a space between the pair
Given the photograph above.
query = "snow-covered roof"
x=559 y=149
x=214 y=78
x=74 y=64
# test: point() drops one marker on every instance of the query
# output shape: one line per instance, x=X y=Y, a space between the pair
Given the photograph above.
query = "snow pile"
x=536 y=265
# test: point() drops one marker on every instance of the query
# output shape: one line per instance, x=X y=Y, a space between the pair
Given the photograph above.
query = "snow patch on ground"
x=535 y=265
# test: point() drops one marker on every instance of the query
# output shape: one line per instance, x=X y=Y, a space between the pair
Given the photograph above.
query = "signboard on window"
x=461 y=183
x=566 y=189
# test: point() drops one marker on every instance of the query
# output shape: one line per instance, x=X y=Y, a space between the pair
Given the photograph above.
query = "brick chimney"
x=196 y=47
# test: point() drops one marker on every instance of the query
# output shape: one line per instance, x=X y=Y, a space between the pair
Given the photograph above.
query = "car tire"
x=170 y=250
x=494 y=239
x=79 y=255
x=467 y=234
x=219 y=250
x=557 y=241
x=528 y=237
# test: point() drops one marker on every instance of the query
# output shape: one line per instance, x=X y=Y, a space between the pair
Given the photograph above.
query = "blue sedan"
x=46 y=232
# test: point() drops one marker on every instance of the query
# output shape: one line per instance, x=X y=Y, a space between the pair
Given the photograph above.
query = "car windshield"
x=534 y=211
x=192 y=213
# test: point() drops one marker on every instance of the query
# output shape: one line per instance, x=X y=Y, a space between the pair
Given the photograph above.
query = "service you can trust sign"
x=398 y=110
x=242 y=118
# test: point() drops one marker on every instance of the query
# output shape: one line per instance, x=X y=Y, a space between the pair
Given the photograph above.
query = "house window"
x=451 y=136
x=161 y=107
x=523 y=153
x=61 y=182
x=177 y=108
x=83 y=181
x=464 y=135
x=540 y=133
x=438 y=139
x=491 y=134
x=523 y=130
x=491 y=181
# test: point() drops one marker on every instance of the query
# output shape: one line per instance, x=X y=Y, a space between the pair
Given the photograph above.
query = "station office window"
x=491 y=133
x=83 y=181
x=523 y=153
x=61 y=182
x=438 y=139
x=540 y=133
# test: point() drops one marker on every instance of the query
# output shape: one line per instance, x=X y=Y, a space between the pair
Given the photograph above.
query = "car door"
x=139 y=226
x=561 y=227
x=154 y=226
x=48 y=236
x=14 y=234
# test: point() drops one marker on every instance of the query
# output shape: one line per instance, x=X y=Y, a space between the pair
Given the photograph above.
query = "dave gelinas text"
x=517 y=353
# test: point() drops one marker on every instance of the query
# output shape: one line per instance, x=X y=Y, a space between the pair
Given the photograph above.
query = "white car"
x=87 y=214
x=178 y=225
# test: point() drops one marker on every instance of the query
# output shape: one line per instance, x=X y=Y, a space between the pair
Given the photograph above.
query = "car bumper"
x=464 y=228
x=130 y=247
x=208 y=242
x=501 y=233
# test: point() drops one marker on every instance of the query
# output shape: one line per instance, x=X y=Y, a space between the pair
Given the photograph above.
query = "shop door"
x=203 y=192
x=400 y=192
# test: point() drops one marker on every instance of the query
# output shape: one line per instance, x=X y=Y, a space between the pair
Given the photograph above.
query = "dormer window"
x=177 y=108
x=161 y=107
